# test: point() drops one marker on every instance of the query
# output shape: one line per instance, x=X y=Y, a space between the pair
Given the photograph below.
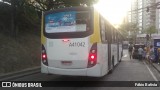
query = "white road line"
x=125 y=55
x=151 y=72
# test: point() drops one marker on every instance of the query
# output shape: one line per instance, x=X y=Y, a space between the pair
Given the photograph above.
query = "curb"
x=18 y=74
x=155 y=68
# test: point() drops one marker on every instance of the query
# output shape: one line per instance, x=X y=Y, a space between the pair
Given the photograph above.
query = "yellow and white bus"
x=78 y=41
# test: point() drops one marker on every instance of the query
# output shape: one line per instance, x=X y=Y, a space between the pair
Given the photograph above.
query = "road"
x=126 y=70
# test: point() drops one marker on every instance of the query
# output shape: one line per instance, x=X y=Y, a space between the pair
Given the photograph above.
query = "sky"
x=113 y=10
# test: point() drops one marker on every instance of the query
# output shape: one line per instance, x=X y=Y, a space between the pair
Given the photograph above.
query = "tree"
x=124 y=29
x=26 y=14
x=134 y=31
x=23 y=16
x=150 y=30
x=45 y=5
x=5 y=12
x=129 y=27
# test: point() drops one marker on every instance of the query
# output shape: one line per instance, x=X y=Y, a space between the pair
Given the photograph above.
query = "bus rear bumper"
x=93 y=72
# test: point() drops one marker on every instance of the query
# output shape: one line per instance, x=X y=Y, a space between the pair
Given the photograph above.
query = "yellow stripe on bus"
x=95 y=37
x=43 y=39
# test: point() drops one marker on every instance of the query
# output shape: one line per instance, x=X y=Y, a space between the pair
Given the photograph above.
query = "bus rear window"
x=71 y=21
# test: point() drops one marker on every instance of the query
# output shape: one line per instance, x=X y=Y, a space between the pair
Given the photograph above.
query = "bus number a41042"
x=77 y=44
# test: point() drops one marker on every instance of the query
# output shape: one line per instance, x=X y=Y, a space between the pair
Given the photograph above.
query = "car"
x=135 y=52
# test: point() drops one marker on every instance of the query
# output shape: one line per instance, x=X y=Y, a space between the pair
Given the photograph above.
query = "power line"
x=147 y=7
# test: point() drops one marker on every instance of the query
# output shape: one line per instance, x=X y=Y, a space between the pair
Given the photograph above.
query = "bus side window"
x=112 y=32
x=109 y=34
x=106 y=32
x=102 y=29
x=116 y=35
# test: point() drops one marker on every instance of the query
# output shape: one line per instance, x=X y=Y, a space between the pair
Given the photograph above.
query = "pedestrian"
x=147 y=54
x=130 y=51
x=151 y=54
x=140 y=53
x=144 y=53
x=158 y=53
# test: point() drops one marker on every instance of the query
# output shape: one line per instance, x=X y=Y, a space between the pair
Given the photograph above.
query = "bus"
x=79 y=41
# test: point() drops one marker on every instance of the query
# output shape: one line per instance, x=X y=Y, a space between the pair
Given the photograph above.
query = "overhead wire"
x=151 y=6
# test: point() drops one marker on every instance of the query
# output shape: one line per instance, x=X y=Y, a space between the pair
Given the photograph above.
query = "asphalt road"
x=126 y=70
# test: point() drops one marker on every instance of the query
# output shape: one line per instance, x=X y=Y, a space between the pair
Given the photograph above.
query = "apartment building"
x=141 y=16
x=158 y=16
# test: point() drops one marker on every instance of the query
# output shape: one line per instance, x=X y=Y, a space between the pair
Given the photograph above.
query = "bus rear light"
x=92 y=58
x=93 y=51
x=65 y=40
x=44 y=56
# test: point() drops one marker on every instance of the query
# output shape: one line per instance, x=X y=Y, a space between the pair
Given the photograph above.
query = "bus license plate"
x=66 y=62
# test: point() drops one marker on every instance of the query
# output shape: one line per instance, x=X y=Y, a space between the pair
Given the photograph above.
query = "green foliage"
x=19 y=15
x=134 y=28
x=151 y=30
x=45 y=5
x=28 y=15
x=124 y=29
x=24 y=14
x=5 y=17
x=129 y=27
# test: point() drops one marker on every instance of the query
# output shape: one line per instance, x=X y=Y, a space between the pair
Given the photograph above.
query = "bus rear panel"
x=66 y=49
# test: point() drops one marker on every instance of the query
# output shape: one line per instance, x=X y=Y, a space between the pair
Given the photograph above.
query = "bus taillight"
x=92 y=58
x=44 y=56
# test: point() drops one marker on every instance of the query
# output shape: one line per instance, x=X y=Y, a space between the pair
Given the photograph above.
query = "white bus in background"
x=78 y=41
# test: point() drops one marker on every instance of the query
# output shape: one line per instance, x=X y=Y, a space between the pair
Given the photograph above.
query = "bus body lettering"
x=77 y=44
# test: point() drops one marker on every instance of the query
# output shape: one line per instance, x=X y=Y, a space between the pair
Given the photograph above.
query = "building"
x=158 y=17
x=134 y=11
x=141 y=16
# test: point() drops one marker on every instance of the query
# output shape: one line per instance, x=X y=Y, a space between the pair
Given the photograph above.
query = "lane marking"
x=154 y=77
x=125 y=55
